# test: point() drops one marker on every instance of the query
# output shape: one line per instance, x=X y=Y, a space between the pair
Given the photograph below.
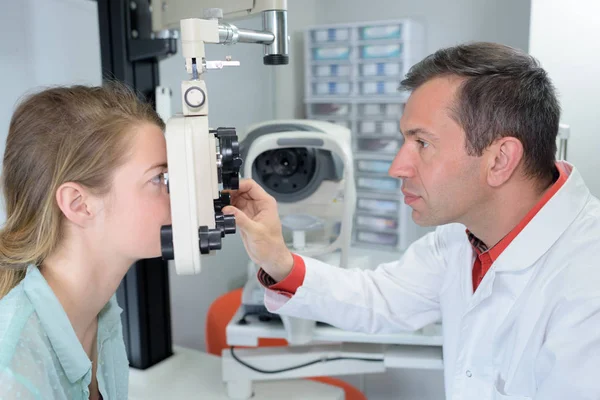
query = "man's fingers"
x=251 y=190
x=241 y=219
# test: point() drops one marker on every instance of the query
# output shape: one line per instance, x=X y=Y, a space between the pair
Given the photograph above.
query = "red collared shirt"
x=486 y=256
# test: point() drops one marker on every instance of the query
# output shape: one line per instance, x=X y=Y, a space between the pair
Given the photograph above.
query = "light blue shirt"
x=40 y=355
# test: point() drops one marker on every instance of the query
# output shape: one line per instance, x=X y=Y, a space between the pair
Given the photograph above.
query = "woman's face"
x=138 y=203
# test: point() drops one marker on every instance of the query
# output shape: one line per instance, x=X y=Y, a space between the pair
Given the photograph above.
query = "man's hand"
x=257 y=218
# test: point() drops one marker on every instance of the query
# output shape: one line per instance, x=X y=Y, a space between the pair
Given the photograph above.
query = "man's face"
x=440 y=181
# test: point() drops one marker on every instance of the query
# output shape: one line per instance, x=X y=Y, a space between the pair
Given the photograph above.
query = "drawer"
x=392 y=31
x=391 y=127
x=393 y=50
x=373 y=166
x=378 y=184
x=331 y=70
x=332 y=88
x=329 y=109
x=377 y=238
x=373 y=205
x=387 y=146
x=330 y=35
x=378 y=87
x=331 y=53
x=376 y=223
x=381 y=110
x=381 y=69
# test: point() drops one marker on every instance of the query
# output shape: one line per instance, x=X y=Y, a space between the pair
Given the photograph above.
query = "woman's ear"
x=75 y=203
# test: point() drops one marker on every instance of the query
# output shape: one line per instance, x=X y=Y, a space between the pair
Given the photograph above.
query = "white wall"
x=39 y=50
x=564 y=37
x=238 y=97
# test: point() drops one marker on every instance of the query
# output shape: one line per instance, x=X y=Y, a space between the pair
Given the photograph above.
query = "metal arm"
x=274 y=35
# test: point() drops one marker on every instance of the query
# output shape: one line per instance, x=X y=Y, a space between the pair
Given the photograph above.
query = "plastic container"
x=331 y=35
x=332 y=70
x=387 y=146
x=381 y=109
x=390 y=127
x=331 y=53
x=377 y=206
x=381 y=69
x=373 y=166
x=375 y=32
x=377 y=238
x=332 y=88
x=378 y=87
x=393 y=50
x=378 y=184
x=329 y=110
x=376 y=223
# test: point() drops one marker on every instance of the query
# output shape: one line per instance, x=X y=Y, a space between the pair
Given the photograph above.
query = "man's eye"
x=422 y=143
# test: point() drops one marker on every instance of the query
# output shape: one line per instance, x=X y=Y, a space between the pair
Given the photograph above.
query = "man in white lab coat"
x=513 y=268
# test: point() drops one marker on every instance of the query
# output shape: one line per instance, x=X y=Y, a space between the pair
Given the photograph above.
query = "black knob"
x=166 y=242
x=220 y=223
x=223 y=201
x=231 y=181
x=209 y=239
x=225 y=223
x=230 y=158
x=229 y=221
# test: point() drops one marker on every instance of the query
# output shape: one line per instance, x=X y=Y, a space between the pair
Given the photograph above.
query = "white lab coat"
x=530 y=331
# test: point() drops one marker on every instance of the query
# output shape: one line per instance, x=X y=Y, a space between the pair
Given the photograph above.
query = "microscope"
x=204 y=162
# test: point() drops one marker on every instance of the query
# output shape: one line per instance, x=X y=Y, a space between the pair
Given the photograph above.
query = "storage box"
x=331 y=35
x=378 y=87
x=378 y=184
x=387 y=146
x=331 y=53
x=393 y=50
x=392 y=31
x=381 y=69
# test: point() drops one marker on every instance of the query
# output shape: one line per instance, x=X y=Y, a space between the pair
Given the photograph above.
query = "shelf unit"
x=352 y=74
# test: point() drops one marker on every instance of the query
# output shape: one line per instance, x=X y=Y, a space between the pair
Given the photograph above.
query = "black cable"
x=263 y=317
x=322 y=360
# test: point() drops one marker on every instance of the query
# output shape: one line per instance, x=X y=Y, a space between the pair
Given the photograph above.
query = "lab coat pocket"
x=496 y=395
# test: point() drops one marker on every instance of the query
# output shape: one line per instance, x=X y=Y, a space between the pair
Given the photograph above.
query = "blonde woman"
x=83 y=180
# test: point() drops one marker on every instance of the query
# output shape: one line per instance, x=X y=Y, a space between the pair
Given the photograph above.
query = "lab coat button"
x=469 y=374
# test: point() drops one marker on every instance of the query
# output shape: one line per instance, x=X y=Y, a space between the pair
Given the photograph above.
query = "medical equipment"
x=204 y=161
x=307 y=166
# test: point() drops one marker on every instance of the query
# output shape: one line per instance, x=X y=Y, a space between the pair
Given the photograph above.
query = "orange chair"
x=220 y=313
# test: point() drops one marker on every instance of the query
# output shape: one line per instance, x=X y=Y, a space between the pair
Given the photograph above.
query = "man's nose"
x=403 y=165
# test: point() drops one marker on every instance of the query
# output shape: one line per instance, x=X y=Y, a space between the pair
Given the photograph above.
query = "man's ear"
x=75 y=203
x=505 y=155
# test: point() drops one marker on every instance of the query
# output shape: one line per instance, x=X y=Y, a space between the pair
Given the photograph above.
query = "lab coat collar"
x=547 y=226
x=58 y=328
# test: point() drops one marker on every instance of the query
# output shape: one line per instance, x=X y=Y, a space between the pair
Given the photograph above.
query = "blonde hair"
x=63 y=134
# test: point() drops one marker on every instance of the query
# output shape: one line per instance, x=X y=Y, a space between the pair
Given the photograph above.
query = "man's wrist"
x=282 y=268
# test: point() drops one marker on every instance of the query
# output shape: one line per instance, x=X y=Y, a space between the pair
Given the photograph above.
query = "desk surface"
x=191 y=374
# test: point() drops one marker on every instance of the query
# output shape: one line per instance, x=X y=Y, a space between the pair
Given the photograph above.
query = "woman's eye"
x=158 y=179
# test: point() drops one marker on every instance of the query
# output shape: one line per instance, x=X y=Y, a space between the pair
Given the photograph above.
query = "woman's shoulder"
x=17 y=318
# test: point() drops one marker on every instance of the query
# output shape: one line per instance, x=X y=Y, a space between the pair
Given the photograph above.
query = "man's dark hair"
x=505 y=93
